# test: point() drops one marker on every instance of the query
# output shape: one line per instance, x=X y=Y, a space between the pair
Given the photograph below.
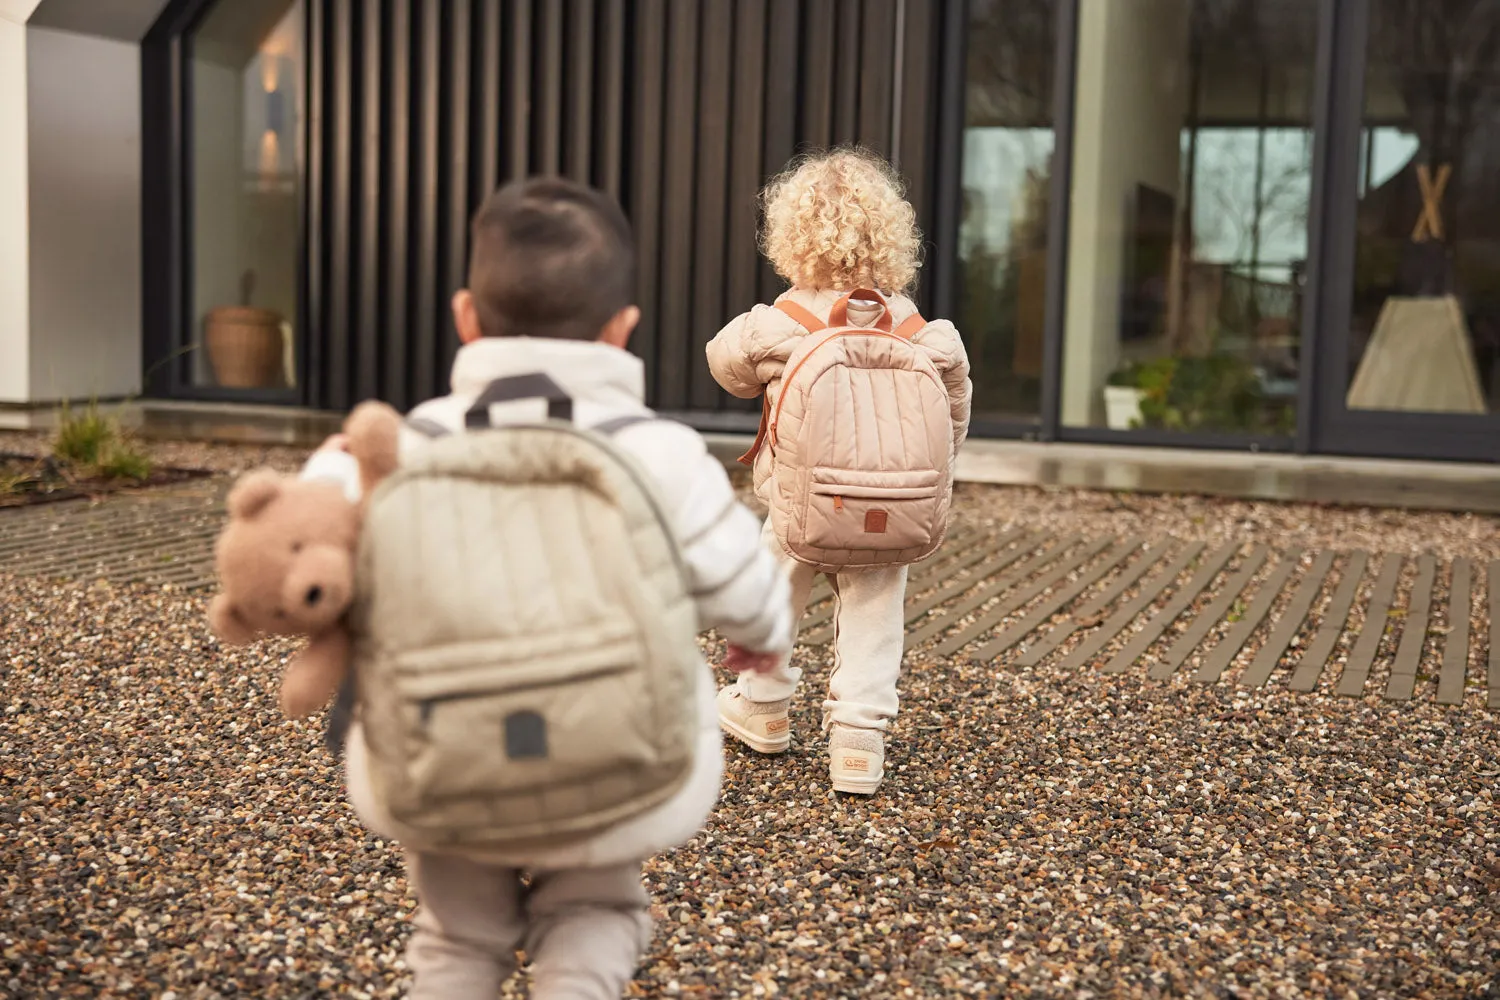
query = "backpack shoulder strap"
x=802 y=316
x=910 y=326
x=748 y=458
x=613 y=426
x=427 y=428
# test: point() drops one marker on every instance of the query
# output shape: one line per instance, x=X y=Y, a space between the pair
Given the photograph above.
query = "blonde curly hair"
x=840 y=220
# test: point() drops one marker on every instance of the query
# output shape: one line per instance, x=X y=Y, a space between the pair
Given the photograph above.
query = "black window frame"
x=168 y=337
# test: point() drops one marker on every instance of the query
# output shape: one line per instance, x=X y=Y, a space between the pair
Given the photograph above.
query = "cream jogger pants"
x=869 y=634
x=584 y=930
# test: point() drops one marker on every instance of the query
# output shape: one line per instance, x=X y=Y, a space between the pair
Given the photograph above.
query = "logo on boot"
x=856 y=764
x=777 y=726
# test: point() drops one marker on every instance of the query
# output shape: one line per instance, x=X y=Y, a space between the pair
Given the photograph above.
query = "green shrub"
x=1218 y=392
x=123 y=460
x=82 y=438
x=96 y=444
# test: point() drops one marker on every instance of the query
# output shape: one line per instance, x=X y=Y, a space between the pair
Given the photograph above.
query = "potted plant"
x=245 y=344
x=1219 y=392
x=1123 y=394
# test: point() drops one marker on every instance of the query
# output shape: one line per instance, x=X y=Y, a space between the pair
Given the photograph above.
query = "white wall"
x=1131 y=101
x=15 y=328
x=85 y=198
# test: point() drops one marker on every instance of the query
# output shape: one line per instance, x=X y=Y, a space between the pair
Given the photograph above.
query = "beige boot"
x=763 y=726
x=856 y=759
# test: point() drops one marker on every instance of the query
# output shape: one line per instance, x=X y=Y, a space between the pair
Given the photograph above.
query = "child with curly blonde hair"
x=839 y=230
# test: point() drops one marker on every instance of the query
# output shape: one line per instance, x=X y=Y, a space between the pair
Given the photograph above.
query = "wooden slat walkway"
x=1107 y=604
x=1006 y=595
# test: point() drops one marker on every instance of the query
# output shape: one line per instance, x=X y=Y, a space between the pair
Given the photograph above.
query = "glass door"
x=245 y=123
x=1191 y=178
x=1410 y=359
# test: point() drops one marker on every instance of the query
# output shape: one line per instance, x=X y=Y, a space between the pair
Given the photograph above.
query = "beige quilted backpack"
x=525 y=647
x=861 y=442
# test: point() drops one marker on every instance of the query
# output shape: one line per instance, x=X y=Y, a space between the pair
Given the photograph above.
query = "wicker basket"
x=245 y=347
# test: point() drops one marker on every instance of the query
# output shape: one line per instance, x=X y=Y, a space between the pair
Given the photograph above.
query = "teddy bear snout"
x=319 y=586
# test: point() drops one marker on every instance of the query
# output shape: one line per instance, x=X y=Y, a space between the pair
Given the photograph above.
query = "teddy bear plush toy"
x=285 y=561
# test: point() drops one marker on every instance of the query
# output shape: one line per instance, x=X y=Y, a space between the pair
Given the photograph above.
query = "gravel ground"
x=1040 y=832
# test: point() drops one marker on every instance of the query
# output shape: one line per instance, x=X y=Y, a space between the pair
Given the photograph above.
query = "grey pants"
x=583 y=930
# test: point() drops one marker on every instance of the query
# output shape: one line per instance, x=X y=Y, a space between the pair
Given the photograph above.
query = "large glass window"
x=1007 y=174
x=1425 y=331
x=1189 y=214
x=245 y=128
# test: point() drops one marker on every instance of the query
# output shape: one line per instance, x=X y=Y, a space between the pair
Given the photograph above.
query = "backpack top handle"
x=536 y=385
x=839 y=315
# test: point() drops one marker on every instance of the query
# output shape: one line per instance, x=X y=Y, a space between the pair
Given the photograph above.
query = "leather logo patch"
x=875 y=522
x=777 y=725
x=856 y=764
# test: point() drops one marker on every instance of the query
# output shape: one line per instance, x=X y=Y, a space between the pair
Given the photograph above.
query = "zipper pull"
x=838 y=503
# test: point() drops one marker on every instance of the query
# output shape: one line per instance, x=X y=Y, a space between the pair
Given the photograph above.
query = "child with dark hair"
x=549 y=302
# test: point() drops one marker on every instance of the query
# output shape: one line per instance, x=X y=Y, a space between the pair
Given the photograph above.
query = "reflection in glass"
x=1425 y=332
x=1189 y=214
x=246 y=134
x=1007 y=171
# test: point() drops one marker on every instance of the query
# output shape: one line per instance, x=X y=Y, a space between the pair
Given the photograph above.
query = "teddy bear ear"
x=253 y=492
x=225 y=621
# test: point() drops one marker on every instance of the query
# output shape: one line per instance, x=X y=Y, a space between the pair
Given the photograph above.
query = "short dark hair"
x=551 y=258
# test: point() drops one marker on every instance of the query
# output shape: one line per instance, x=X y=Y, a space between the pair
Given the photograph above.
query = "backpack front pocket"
x=873 y=511
x=495 y=729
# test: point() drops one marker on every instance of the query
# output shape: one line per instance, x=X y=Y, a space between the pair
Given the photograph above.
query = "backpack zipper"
x=781 y=399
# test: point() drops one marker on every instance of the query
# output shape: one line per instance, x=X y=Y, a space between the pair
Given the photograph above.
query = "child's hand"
x=336 y=442
x=740 y=660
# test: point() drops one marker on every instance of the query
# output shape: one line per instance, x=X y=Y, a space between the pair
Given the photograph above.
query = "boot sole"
x=757 y=743
x=858 y=786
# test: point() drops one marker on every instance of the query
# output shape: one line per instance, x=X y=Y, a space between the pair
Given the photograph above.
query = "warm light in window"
x=270 y=154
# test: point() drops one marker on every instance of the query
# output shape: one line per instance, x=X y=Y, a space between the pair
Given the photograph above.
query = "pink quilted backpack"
x=861 y=442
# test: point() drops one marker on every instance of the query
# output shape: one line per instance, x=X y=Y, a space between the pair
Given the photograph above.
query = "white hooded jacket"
x=738 y=586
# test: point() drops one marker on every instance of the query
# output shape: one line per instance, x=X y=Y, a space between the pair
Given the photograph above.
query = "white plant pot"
x=1122 y=406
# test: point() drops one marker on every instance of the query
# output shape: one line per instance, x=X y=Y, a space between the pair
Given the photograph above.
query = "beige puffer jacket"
x=749 y=357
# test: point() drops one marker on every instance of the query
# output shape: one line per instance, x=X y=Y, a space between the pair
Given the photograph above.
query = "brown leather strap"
x=839 y=315
x=909 y=326
x=803 y=317
x=748 y=458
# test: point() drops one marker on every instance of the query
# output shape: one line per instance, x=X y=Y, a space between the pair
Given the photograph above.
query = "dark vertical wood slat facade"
x=674 y=346
x=371 y=123
x=581 y=92
x=547 y=111
x=455 y=197
x=648 y=111
x=715 y=125
x=815 y=92
x=395 y=327
x=609 y=161
x=417 y=109
x=747 y=127
x=424 y=377
x=846 y=43
x=518 y=100
x=876 y=75
x=780 y=129
x=489 y=33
